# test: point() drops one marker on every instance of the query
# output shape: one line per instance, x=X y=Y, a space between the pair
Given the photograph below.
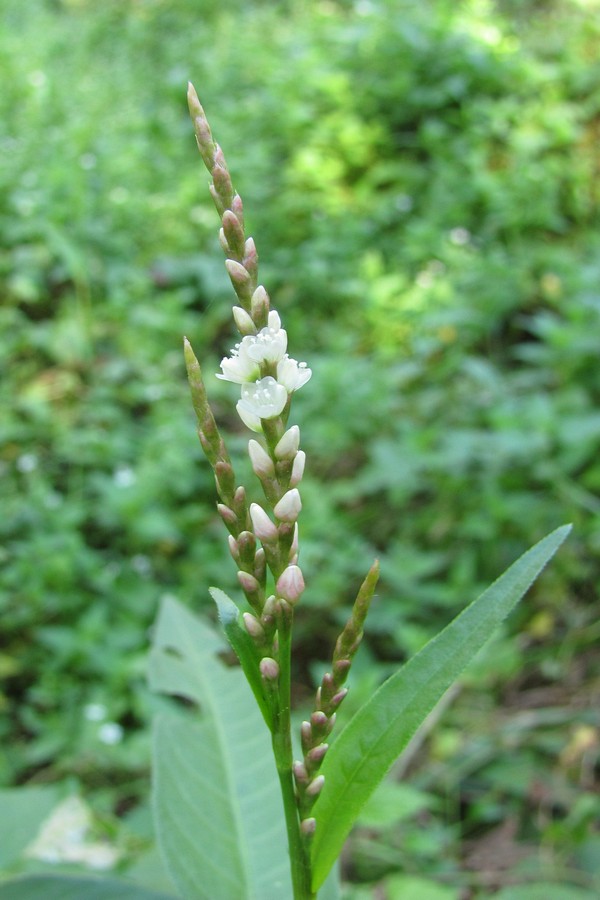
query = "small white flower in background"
x=292 y=374
x=265 y=398
x=110 y=733
x=95 y=712
x=62 y=838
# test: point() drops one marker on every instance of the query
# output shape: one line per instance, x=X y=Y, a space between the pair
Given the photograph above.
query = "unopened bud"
x=288 y=445
x=247 y=546
x=234 y=232
x=244 y=323
x=290 y=584
x=316 y=786
x=269 y=669
x=337 y=698
x=250 y=256
x=228 y=515
x=260 y=459
x=298 y=468
x=233 y=547
x=248 y=582
x=238 y=208
x=288 y=508
x=308 y=826
x=318 y=719
x=306 y=736
x=238 y=274
x=300 y=773
x=223 y=242
x=260 y=565
x=264 y=529
x=253 y=626
x=317 y=753
x=259 y=306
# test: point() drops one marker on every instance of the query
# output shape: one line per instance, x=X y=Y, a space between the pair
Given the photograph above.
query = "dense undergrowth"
x=422 y=183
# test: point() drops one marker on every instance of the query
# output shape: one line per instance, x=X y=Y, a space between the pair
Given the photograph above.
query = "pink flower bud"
x=298 y=468
x=243 y=321
x=236 y=271
x=227 y=514
x=260 y=304
x=264 y=529
x=317 y=753
x=269 y=669
x=253 y=626
x=300 y=773
x=233 y=547
x=308 y=826
x=288 y=508
x=248 y=582
x=260 y=459
x=290 y=584
x=288 y=444
x=316 y=786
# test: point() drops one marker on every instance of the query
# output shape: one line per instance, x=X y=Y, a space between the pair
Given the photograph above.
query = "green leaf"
x=381 y=729
x=23 y=811
x=218 y=810
x=245 y=649
x=412 y=887
x=547 y=890
x=57 y=887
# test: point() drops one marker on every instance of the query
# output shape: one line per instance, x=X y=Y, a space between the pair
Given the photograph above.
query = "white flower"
x=239 y=367
x=249 y=419
x=292 y=374
x=264 y=399
x=270 y=344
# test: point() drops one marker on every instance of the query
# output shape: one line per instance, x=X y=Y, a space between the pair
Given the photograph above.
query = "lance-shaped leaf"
x=245 y=649
x=381 y=729
x=218 y=810
x=58 y=887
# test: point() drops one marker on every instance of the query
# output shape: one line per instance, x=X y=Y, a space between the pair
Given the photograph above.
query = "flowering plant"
x=239 y=815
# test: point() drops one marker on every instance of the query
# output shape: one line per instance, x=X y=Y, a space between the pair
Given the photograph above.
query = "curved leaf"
x=244 y=648
x=381 y=729
x=64 y=887
x=218 y=810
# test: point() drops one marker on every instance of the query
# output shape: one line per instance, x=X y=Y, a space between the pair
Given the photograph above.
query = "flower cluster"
x=261 y=365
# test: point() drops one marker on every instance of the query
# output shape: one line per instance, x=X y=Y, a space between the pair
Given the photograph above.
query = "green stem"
x=282 y=750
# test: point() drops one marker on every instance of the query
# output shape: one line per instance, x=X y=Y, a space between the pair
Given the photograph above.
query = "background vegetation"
x=422 y=182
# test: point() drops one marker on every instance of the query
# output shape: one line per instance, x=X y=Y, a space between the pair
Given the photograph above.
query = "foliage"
x=450 y=153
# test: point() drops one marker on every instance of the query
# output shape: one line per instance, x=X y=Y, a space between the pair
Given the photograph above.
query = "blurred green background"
x=422 y=181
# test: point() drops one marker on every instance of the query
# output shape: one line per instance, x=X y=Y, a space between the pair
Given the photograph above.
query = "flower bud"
x=306 y=736
x=290 y=584
x=240 y=278
x=300 y=773
x=248 y=582
x=317 y=754
x=244 y=323
x=227 y=514
x=318 y=719
x=233 y=547
x=316 y=786
x=308 y=826
x=288 y=508
x=269 y=669
x=288 y=445
x=260 y=459
x=264 y=529
x=259 y=305
x=298 y=468
x=253 y=626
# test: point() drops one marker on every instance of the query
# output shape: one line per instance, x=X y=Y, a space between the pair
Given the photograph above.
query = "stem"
x=282 y=750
